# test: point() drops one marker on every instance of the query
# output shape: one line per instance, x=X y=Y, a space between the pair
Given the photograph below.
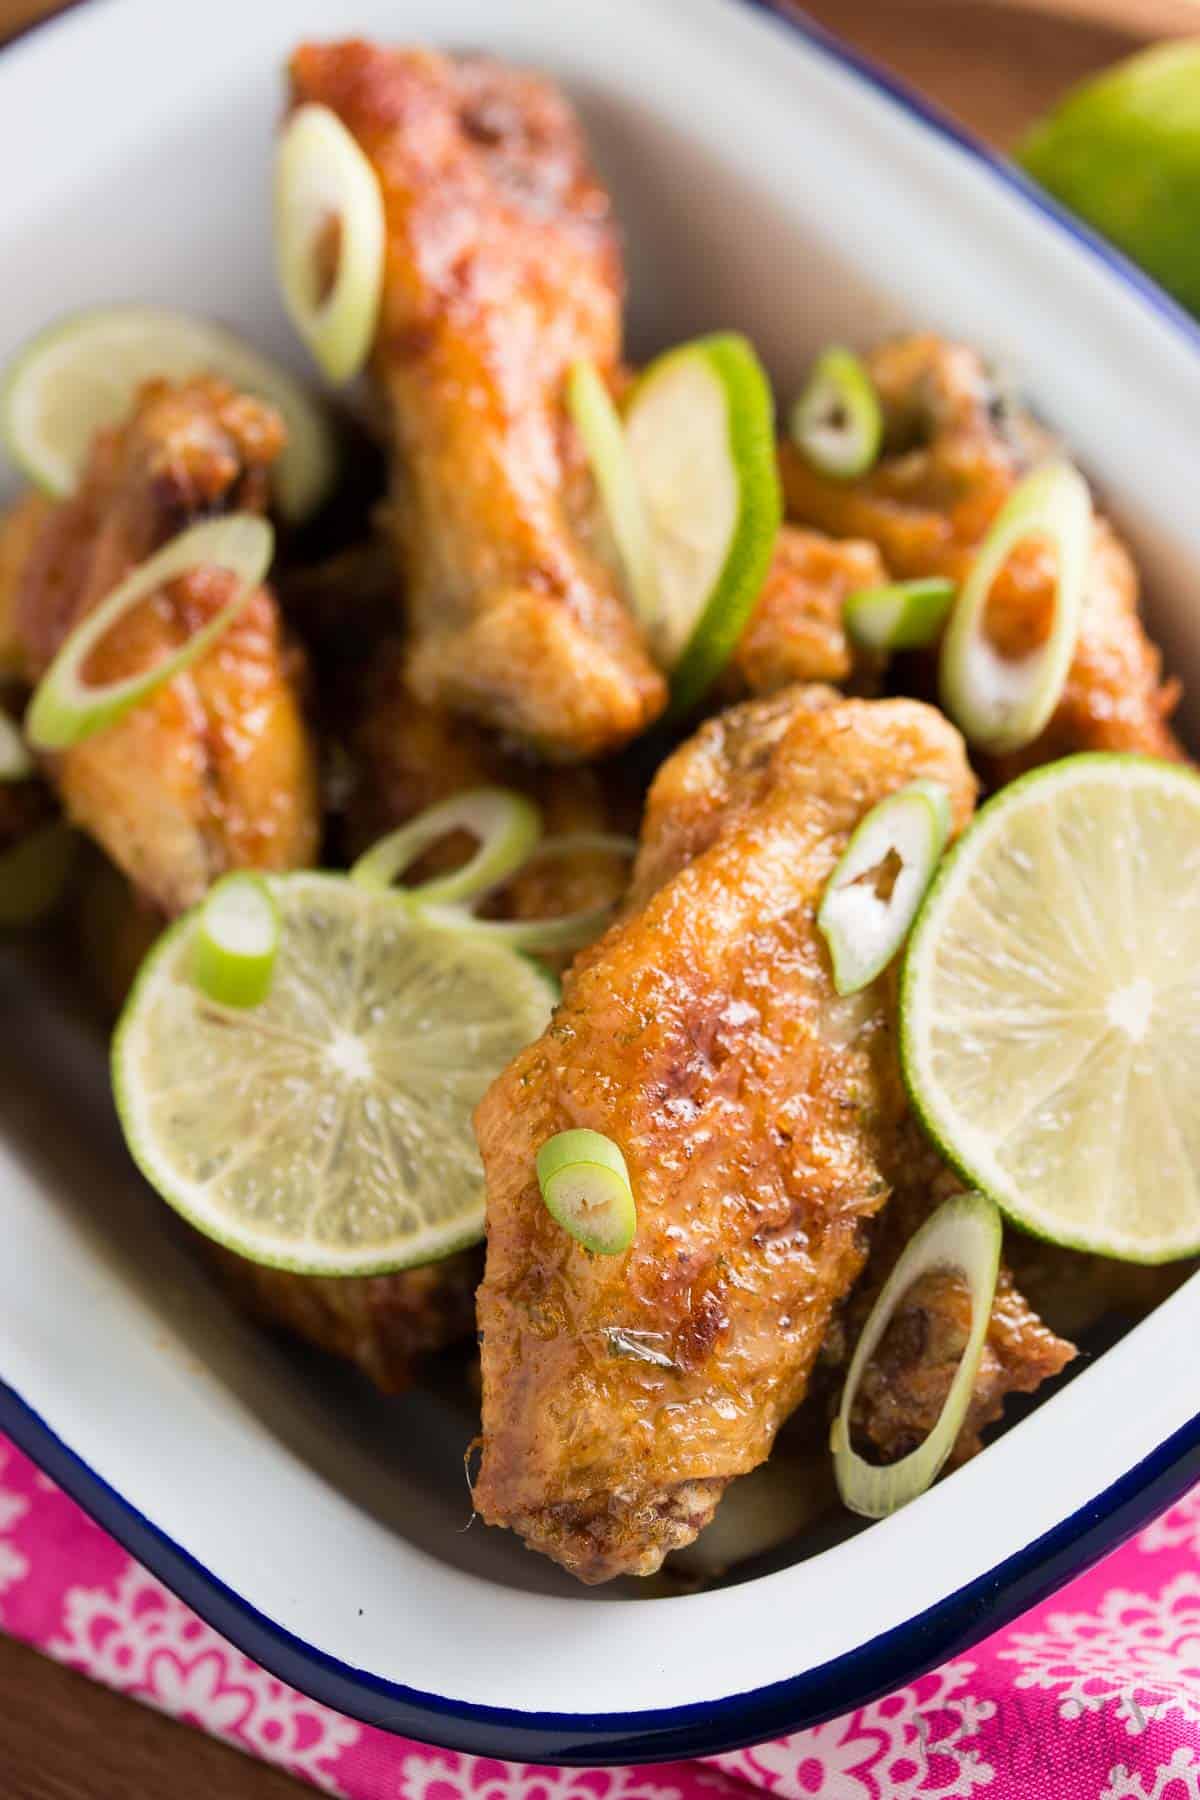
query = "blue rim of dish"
x=709 y=1727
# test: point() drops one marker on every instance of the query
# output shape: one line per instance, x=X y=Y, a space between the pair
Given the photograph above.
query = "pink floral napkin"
x=1094 y=1696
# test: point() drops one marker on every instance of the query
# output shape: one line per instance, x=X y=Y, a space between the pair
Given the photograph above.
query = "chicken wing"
x=755 y=1109
x=795 y=632
x=19 y=527
x=502 y=270
x=215 y=769
x=955 y=447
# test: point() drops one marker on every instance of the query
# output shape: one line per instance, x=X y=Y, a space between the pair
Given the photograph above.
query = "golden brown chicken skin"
x=754 y=1108
x=19 y=527
x=955 y=447
x=215 y=770
x=795 y=632
x=384 y=1324
x=502 y=270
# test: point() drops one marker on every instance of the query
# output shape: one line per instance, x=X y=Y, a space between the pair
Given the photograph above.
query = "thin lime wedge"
x=701 y=436
x=82 y=374
x=1050 y=1006
x=328 y=1129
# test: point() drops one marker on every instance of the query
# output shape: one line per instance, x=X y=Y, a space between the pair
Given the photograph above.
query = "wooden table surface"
x=994 y=63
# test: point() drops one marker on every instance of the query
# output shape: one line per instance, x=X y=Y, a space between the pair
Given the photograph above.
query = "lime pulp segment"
x=1050 y=1006
x=327 y=1130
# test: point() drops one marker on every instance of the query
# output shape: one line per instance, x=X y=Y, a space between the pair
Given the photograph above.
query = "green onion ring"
x=34 y=874
x=236 y=940
x=837 y=421
x=507 y=825
x=16 y=764
x=323 y=178
x=585 y=1184
x=65 y=709
x=898 y=615
x=900 y=840
x=964 y=1234
x=1000 y=703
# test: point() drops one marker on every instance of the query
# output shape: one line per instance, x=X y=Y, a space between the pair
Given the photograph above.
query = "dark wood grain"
x=993 y=63
x=63 y=1738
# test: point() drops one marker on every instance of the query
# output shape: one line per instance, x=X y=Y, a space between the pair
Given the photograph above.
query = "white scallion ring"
x=964 y=1236
x=871 y=899
x=1002 y=703
x=330 y=239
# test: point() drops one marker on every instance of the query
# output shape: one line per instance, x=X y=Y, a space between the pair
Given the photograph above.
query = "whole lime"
x=1123 y=151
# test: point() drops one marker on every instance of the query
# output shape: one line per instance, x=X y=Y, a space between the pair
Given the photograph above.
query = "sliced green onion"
x=599 y=425
x=585 y=1185
x=65 y=709
x=1002 y=703
x=570 y=931
x=837 y=422
x=507 y=825
x=872 y=896
x=963 y=1235
x=16 y=764
x=236 y=941
x=34 y=874
x=329 y=239
x=899 y=615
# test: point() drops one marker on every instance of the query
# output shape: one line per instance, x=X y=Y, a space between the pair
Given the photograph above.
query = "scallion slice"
x=599 y=425
x=872 y=896
x=837 y=421
x=585 y=1185
x=899 y=615
x=34 y=874
x=1002 y=703
x=16 y=764
x=570 y=931
x=329 y=239
x=65 y=709
x=507 y=825
x=236 y=941
x=962 y=1235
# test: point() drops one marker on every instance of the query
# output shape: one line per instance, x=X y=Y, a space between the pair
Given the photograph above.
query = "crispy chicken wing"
x=956 y=445
x=384 y=1324
x=795 y=632
x=215 y=769
x=755 y=1109
x=502 y=269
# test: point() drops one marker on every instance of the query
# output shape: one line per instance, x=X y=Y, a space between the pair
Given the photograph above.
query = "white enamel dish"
x=765 y=181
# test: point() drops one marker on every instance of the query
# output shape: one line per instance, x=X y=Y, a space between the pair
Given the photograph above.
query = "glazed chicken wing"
x=502 y=270
x=755 y=1109
x=214 y=770
x=955 y=447
x=795 y=632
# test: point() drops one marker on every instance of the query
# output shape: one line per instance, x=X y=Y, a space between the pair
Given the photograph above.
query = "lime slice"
x=1050 y=1006
x=701 y=435
x=1123 y=151
x=328 y=1129
x=82 y=373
